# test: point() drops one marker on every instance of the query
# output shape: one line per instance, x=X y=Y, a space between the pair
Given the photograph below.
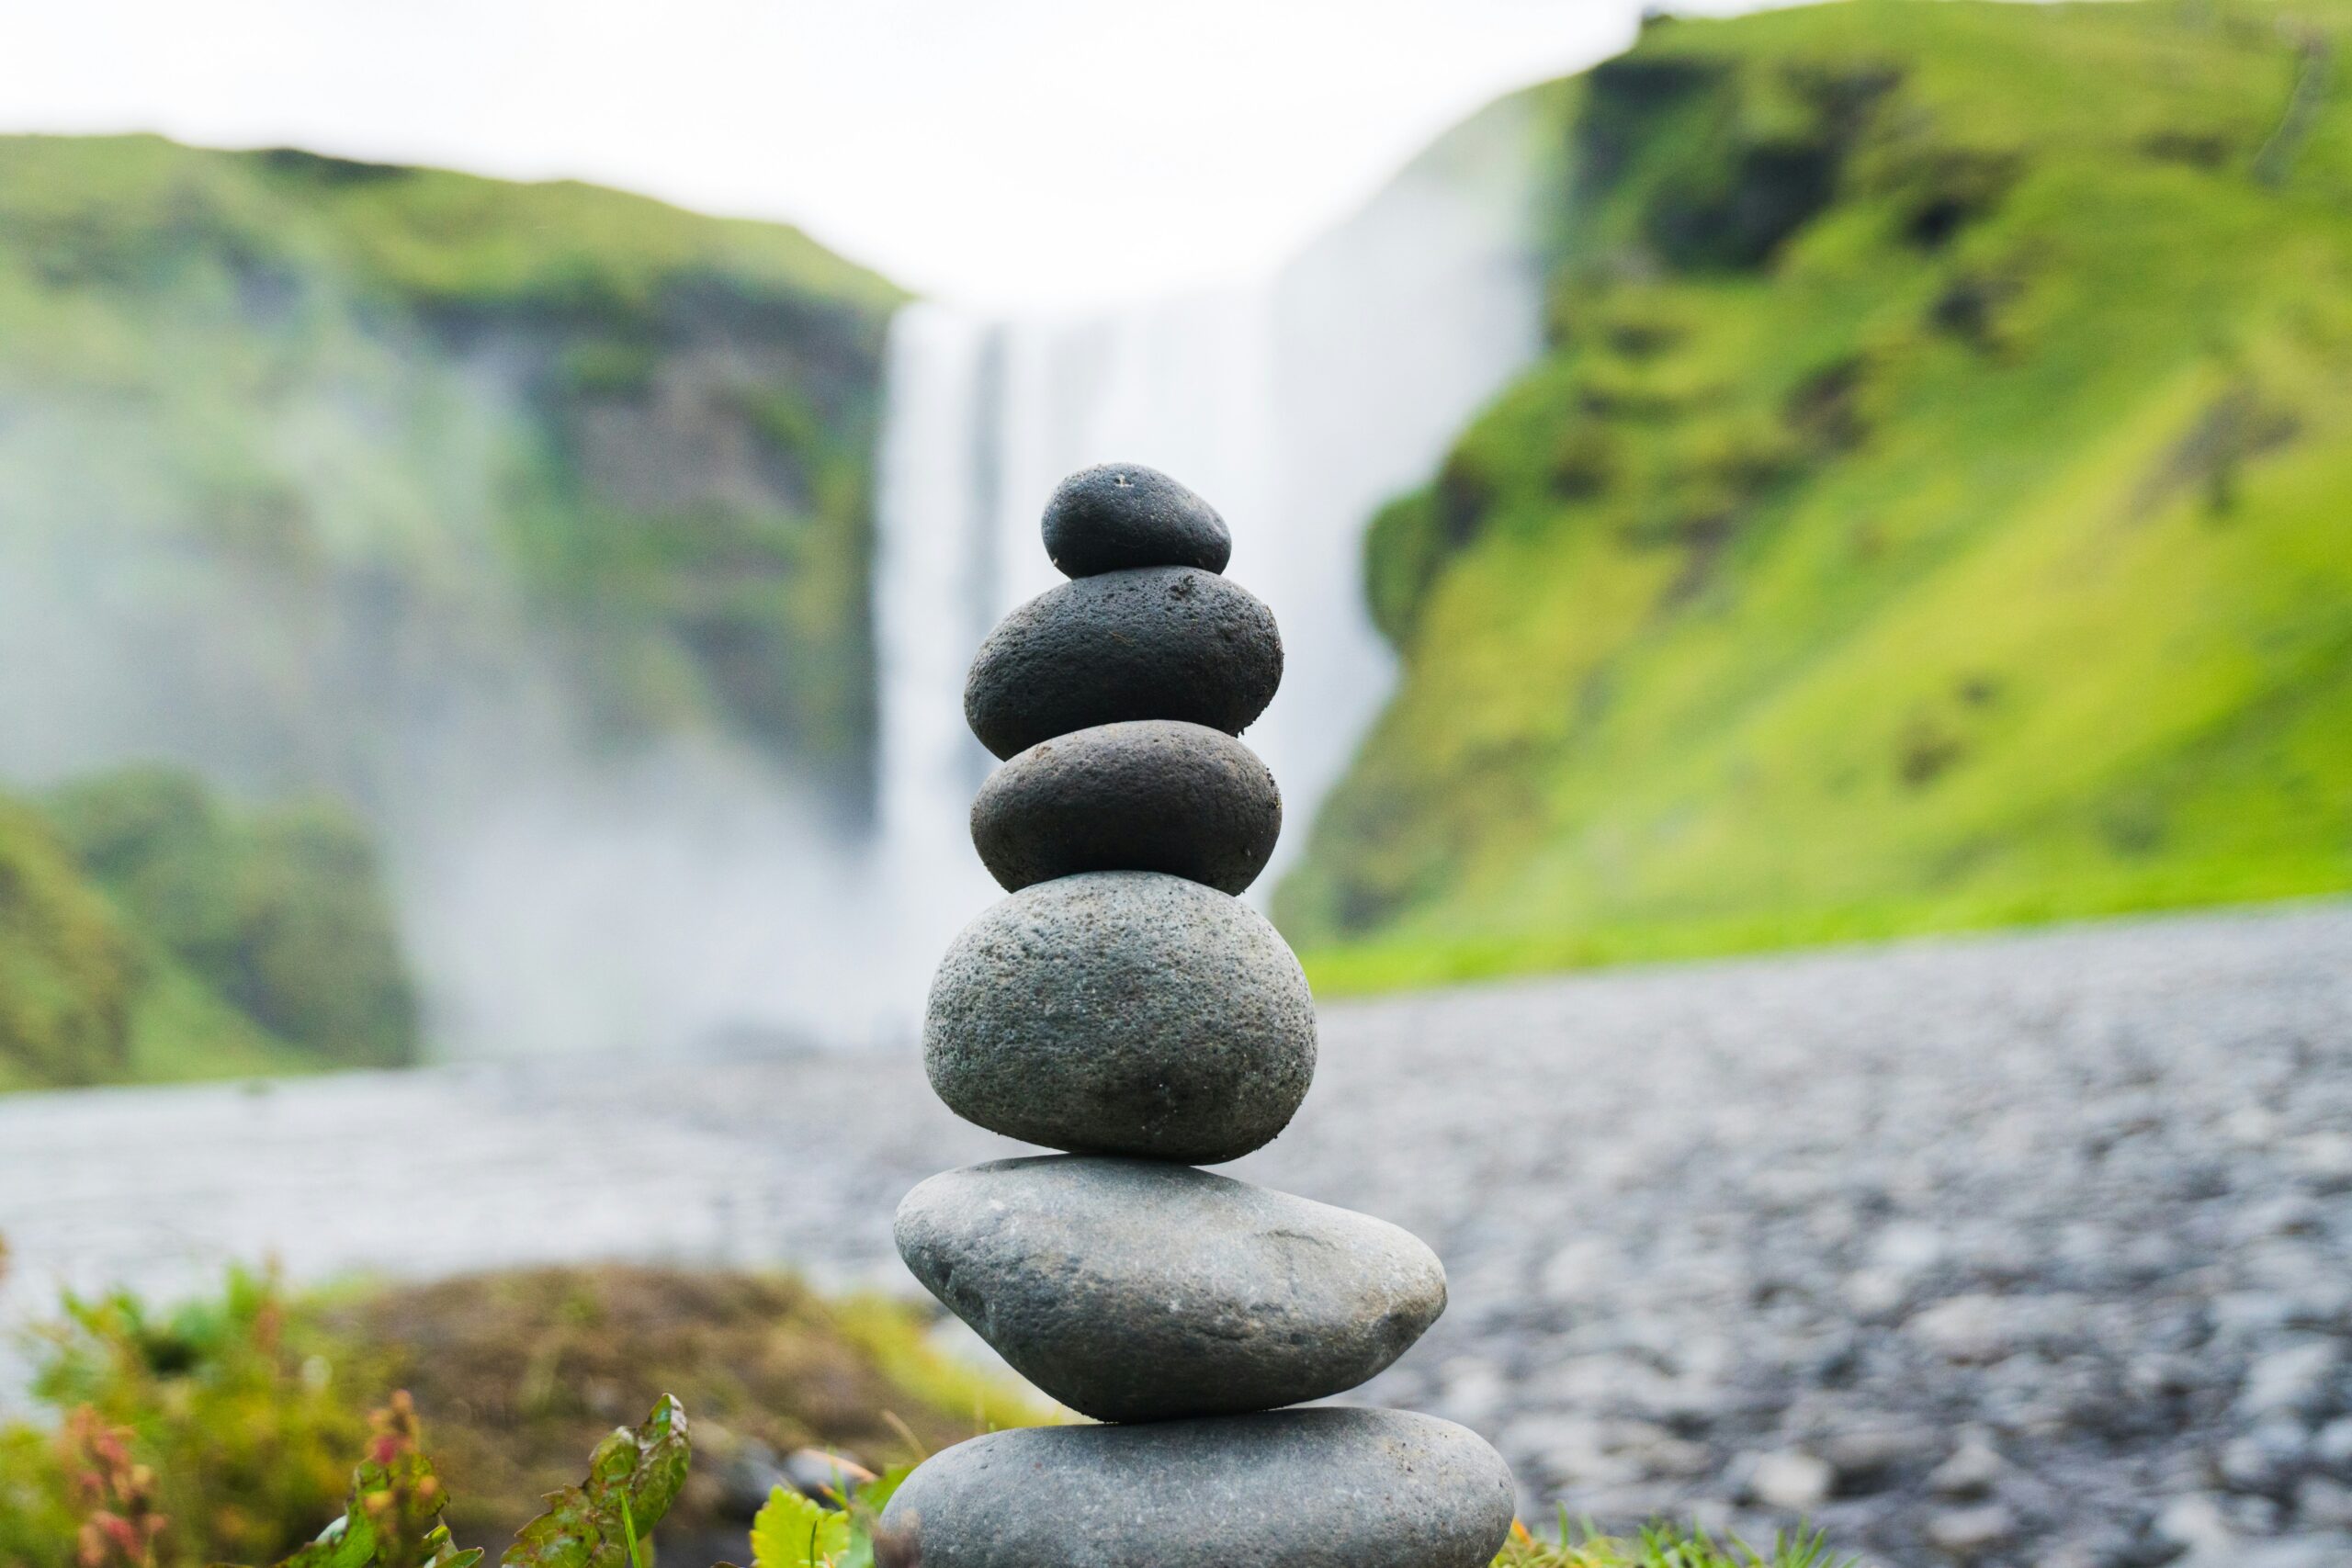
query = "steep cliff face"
x=532 y=522
x=1930 y=511
x=302 y=456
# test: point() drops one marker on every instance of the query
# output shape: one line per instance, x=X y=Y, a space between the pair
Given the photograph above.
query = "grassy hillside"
x=150 y=932
x=1934 y=510
x=320 y=427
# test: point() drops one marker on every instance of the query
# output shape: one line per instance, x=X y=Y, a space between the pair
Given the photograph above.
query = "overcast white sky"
x=1002 y=152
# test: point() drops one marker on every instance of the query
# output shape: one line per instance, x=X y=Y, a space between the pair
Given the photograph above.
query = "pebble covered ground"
x=2030 y=1250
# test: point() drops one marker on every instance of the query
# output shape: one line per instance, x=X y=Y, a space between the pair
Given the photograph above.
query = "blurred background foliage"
x=159 y=933
x=1929 y=513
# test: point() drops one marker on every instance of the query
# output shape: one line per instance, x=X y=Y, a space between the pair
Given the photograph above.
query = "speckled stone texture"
x=1137 y=1290
x=1151 y=795
x=1281 y=1489
x=1163 y=642
x=1117 y=516
x=1123 y=1013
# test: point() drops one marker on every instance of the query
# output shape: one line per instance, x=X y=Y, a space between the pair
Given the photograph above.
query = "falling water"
x=1296 y=405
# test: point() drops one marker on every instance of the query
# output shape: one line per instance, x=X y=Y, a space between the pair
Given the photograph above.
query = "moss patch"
x=1928 y=515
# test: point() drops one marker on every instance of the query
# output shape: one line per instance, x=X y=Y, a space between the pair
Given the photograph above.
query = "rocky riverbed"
x=2033 y=1250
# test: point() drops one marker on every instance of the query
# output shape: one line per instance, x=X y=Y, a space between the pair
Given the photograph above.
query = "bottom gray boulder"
x=1315 y=1488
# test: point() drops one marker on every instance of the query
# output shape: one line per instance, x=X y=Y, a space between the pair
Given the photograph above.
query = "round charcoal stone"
x=1162 y=642
x=1123 y=1013
x=1117 y=516
x=1140 y=1291
x=1328 y=1488
x=1154 y=794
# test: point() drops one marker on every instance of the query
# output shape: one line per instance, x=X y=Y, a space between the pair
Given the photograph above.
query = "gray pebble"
x=1163 y=642
x=1149 y=796
x=1123 y=1013
x=1330 y=1488
x=1116 y=516
x=1140 y=1291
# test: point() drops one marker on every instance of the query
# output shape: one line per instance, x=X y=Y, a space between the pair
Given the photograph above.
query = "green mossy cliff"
x=418 y=408
x=1934 y=509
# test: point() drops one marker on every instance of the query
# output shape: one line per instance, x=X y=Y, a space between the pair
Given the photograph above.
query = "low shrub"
x=221 y=1432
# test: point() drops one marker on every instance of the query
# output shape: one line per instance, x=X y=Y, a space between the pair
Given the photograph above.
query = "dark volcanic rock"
x=1326 y=1488
x=1140 y=1291
x=1150 y=795
x=1123 y=1013
x=1117 y=516
x=1164 y=642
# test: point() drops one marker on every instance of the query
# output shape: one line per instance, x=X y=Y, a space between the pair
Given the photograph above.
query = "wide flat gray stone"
x=1138 y=1291
x=1123 y=1013
x=1148 y=796
x=1328 y=1488
x=1162 y=642
x=1117 y=516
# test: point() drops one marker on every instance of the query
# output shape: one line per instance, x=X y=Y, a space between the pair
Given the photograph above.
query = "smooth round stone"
x=1123 y=1013
x=1162 y=642
x=1148 y=796
x=1140 y=1291
x=1117 y=516
x=1330 y=1488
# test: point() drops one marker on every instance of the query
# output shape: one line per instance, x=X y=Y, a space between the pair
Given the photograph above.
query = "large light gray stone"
x=1149 y=796
x=1161 y=642
x=1328 y=1488
x=1123 y=1013
x=1138 y=1291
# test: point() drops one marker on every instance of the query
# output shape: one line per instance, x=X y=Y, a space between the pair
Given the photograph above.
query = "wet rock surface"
x=2059 y=1221
x=1155 y=796
x=1319 y=1488
x=1163 y=642
x=1118 y=516
x=1123 y=1013
x=1137 y=1290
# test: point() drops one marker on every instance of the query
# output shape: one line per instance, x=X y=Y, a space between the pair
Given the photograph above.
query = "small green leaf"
x=348 y=1542
x=441 y=1552
x=633 y=1477
x=875 y=1494
x=563 y=1536
x=793 y=1532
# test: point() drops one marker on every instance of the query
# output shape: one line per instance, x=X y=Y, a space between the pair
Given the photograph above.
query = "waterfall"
x=1295 y=404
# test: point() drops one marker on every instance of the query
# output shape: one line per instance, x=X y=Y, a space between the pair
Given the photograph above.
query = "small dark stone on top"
x=1163 y=642
x=1154 y=794
x=1118 y=516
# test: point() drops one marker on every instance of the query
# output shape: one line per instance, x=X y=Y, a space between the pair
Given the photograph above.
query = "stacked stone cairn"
x=1124 y=1006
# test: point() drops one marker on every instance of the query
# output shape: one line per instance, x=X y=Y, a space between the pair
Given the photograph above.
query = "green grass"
x=1931 y=514
x=1662 y=1546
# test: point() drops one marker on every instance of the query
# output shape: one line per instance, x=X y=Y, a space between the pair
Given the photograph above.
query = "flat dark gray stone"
x=1123 y=1013
x=1118 y=516
x=1140 y=1291
x=1328 y=1488
x=1162 y=642
x=1153 y=794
